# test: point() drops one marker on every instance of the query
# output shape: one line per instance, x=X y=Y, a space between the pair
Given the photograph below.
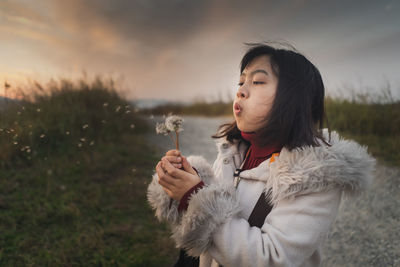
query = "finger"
x=173 y=159
x=172 y=171
x=173 y=152
x=187 y=167
x=164 y=179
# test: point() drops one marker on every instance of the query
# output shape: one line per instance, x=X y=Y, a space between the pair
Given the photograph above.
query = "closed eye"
x=240 y=84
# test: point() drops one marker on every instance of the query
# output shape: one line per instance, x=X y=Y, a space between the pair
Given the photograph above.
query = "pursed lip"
x=237 y=108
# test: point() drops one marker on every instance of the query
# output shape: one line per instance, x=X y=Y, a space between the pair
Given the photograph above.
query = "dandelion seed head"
x=132 y=126
x=15 y=143
x=49 y=172
x=23 y=108
x=62 y=187
x=128 y=111
x=42 y=136
x=161 y=128
x=118 y=108
x=174 y=123
x=38 y=109
x=85 y=126
x=79 y=144
x=83 y=139
x=105 y=104
x=67 y=132
x=91 y=143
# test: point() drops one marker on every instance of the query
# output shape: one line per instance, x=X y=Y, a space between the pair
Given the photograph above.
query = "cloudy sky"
x=185 y=50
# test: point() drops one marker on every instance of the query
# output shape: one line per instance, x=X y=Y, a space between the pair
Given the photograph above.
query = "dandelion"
x=161 y=128
x=38 y=109
x=1 y=129
x=85 y=126
x=49 y=172
x=172 y=123
x=105 y=104
x=133 y=169
x=132 y=126
x=128 y=111
x=79 y=144
x=42 y=136
x=67 y=132
x=118 y=108
x=23 y=108
x=83 y=139
x=62 y=187
x=91 y=143
x=11 y=130
x=15 y=143
x=28 y=150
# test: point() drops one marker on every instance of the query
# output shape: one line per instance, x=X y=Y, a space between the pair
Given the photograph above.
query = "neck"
x=259 y=151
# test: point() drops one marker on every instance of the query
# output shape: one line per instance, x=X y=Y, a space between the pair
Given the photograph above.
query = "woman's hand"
x=176 y=182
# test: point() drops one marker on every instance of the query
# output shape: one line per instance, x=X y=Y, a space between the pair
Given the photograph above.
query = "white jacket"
x=307 y=185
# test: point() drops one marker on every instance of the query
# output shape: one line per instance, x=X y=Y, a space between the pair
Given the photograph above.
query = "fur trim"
x=345 y=164
x=210 y=207
x=159 y=200
x=203 y=167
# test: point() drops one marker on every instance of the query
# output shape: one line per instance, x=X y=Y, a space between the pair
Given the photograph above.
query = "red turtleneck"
x=256 y=155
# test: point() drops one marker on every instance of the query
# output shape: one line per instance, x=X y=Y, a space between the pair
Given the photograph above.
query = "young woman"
x=276 y=151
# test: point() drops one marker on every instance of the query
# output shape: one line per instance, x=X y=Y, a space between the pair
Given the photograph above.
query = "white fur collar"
x=345 y=164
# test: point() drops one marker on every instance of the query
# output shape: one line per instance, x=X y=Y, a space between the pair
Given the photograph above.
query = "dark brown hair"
x=297 y=114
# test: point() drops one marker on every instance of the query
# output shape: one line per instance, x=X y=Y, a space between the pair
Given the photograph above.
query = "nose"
x=241 y=93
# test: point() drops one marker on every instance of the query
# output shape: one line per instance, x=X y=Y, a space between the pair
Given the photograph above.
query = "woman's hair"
x=297 y=114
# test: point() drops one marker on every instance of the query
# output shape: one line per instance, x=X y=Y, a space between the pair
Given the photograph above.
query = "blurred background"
x=83 y=84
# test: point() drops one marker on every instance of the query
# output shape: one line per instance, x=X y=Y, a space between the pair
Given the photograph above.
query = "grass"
x=77 y=199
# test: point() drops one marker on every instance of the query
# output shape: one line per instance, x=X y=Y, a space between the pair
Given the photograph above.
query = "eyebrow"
x=256 y=71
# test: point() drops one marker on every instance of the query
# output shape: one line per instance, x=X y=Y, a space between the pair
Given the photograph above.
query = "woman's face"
x=256 y=93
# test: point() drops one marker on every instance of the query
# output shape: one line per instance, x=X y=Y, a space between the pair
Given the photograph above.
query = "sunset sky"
x=182 y=50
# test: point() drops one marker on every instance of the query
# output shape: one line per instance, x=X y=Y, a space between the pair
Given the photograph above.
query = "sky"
x=190 y=50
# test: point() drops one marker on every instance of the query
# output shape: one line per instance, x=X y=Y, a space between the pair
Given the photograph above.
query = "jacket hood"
x=345 y=164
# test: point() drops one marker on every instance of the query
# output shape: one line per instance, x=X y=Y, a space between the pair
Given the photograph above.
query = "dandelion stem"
x=177 y=140
x=172 y=138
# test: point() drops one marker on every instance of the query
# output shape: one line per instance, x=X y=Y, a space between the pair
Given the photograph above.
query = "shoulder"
x=345 y=165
